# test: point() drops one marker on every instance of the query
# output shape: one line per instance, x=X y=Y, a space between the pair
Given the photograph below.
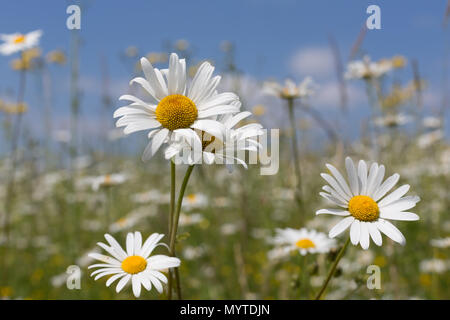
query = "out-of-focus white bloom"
x=107 y=180
x=62 y=136
x=153 y=196
x=393 y=120
x=192 y=253
x=432 y=122
x=115 y=134
x=133 y=218
x=304 y=241
x=229 y=229
x=367 y=69
x=429 y=138
x=191 y=219
x=290 y=90
x=441 y=243
x=434 y=266
x=195 y=201
x=18 y=42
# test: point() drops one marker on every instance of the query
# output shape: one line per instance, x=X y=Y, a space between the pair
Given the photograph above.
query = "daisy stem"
x=173 y=233
x=294 y=140
x=333 y=269
x=172 y=209
x=15 y=138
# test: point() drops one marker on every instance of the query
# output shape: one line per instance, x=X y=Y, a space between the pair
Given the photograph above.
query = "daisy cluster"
x=191 y=118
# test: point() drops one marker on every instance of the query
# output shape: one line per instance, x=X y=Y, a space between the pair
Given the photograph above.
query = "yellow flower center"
x=176 y=111
x=363 y=208
x=305 y=244
x=134 y=264
x=19 y=39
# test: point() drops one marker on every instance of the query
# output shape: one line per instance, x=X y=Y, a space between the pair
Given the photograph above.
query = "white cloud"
x=328 y=96
x=314 y=61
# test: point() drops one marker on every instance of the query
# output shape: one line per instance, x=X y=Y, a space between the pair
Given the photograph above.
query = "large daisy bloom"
x=365 y=207
x=19 y=42
x=302 y=240
x=135 y=264
x=175 y=106
x=213 y=149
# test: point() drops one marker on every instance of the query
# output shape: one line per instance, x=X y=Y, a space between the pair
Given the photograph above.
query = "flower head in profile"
x=134 y=264
x=209 y=149
x=367 y=69
x=173 y=105
x=19 y=42
x=290 y=90
x=302 y=240
x=364 y=203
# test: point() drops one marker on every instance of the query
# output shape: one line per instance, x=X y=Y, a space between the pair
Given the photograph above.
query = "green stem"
x=172 y=209
x=173 y=233
x=333 y=269
x=297 y=171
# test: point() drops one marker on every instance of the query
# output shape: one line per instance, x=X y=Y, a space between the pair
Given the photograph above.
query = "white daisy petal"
x=136 y=284
x=154 y=144
x=395 y=195
x=364 y=236
x=391 y=231
x=122 y=282
x=340 y=179
x=355 y=231
x=402 y=216
x=374 y=233
x=137 y=242
x=333 y=211
x=340 y=227
x=371 y=180
x=400 y=204
x=333 y=183
x=130 y=244
x=104 y=258
x=114 y=278
x=386 y=186
x=352 y=176
x=362 y=175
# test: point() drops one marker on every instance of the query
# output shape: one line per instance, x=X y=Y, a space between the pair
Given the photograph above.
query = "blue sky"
x=268 y=34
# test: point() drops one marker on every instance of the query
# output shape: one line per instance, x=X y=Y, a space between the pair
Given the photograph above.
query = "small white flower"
x=440 y=243
x=364 y=204
x=427 y=139
x=18 y=42
x=302 y=240
x=393 y=120
x=290 y=90
x=367 y=69
x=435 y=266
x=107 y=180
x=135 y=264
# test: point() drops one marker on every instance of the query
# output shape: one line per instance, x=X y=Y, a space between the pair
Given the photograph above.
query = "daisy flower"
x=365 y=207
x=135 y=264
x=302 y=240
x=19 y=42
x=367 y=69
x=175 y=106
x=216 y=150
x=290 y=90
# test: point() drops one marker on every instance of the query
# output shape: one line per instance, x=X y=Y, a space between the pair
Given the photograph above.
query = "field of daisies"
x=173 y=198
